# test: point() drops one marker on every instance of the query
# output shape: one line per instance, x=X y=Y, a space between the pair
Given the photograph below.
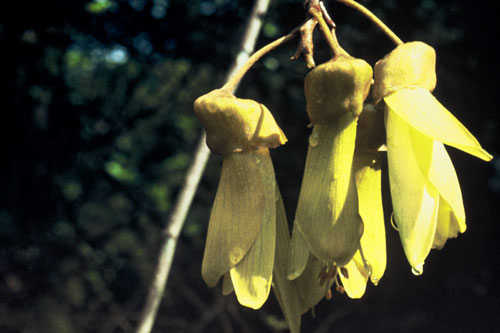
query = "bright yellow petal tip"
x=420 y=109
x=354 y=277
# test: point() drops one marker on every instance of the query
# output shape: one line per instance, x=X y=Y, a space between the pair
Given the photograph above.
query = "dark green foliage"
x=98 y=130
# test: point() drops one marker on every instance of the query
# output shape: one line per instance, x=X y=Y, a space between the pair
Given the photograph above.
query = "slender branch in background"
x=175 y=221
x=381 y=25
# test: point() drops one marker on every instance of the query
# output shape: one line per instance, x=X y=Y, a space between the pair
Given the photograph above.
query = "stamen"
x=344 y=272
x=338 y=287
x=327 y=273
x=328 y=294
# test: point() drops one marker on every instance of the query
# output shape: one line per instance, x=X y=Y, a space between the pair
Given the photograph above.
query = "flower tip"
x=418 y=269
x=486 y=156
x=251 y=292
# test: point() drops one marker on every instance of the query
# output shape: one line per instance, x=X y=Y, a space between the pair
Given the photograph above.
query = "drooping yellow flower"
x=241 y=236
x=369 y=262
x=328 y=227
x=327 y=219
x=426 y=196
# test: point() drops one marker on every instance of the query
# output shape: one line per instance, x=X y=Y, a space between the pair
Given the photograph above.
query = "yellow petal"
x=419 y=108
x=448 y=226
x=239 y=210
x=415 y=200
x=299 y=254
x=442 y=175
x=285 y=290
x=368 y=176
x=355 y=281
x=327 y=211
x=451 y=215
x=252 y=276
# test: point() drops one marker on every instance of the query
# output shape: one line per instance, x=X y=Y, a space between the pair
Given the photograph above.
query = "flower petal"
x=415 y=200
x=448 y=226
x=355 y=281
x=299 y=254
x=442 y=175
x=368 y=175
x=285 y=290
x=252 y=276
x=451 y=215
x=419 y=108
x=327 y=212
x=238 y=212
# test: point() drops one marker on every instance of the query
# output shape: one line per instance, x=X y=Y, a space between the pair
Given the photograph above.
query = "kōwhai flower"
x=426 y=196
x=327 y=223
x=241 y=236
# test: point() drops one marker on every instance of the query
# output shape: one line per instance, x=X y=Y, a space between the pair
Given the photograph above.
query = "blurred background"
x=98 y=130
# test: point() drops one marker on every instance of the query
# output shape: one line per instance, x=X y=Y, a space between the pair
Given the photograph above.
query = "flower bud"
x=408 y=65
x=337 y=87
x=235 y=125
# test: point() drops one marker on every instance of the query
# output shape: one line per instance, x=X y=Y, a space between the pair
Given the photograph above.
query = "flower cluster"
x=338 y=234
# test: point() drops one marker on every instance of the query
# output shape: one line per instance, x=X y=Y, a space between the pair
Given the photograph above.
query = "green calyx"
x=337 y=87
x=235 y=124
x=411 y=64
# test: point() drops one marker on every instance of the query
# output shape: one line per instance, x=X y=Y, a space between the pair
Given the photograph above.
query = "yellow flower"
x=241 y=236
x=328 y=227
x=426 y=196
x=327 y=222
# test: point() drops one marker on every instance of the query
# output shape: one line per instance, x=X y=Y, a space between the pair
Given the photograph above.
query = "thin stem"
x=170 y=234
x=332 y=41
x=381 y=25
x=236 y=78
x=176 y=219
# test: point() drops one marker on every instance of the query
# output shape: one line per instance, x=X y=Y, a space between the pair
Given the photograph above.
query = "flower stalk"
x=372 y=17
